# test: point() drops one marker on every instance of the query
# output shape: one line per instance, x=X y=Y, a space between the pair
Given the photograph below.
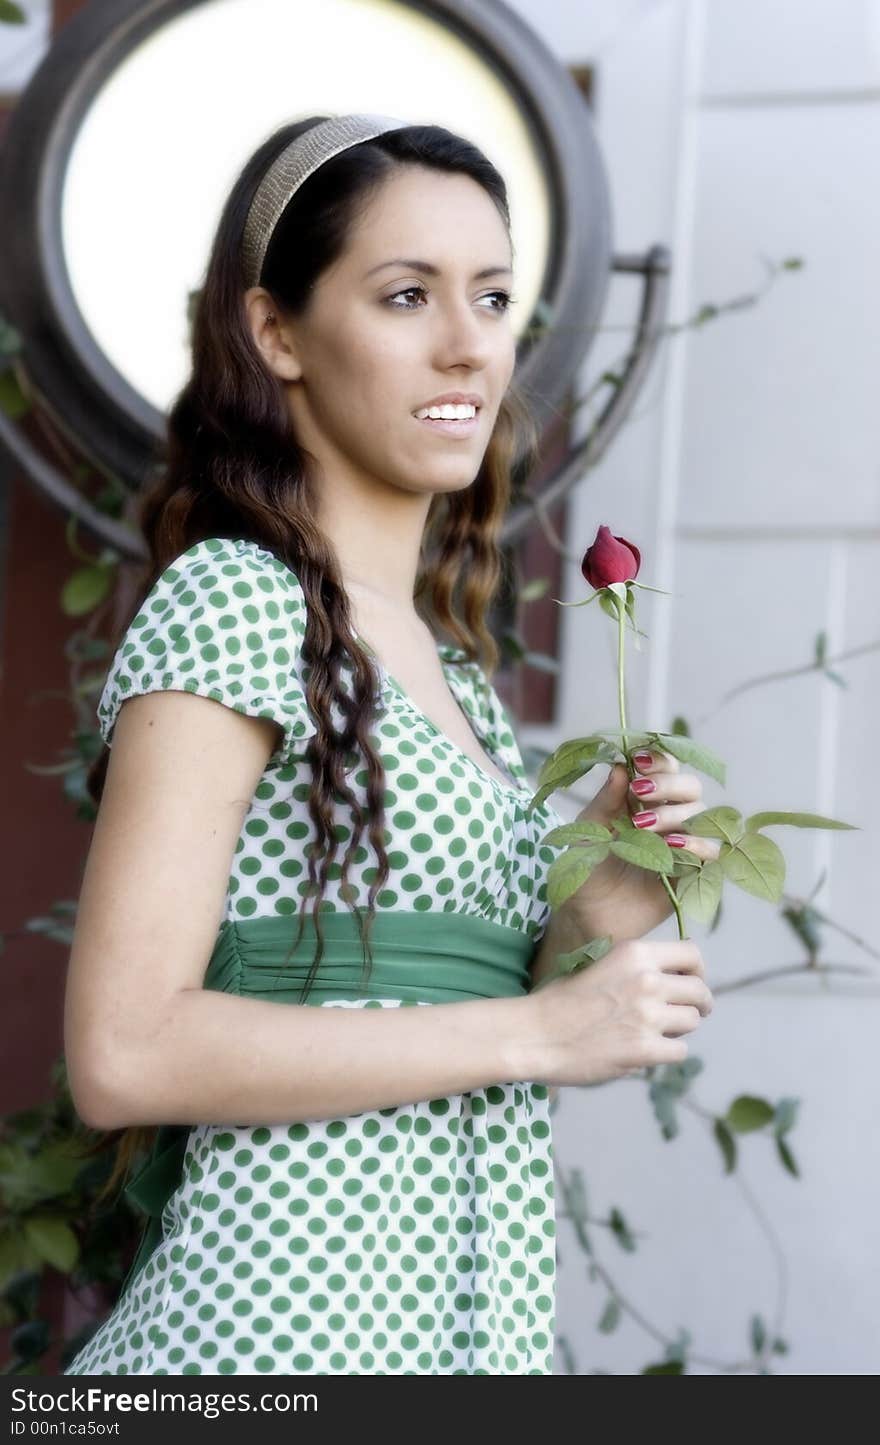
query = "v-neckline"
x=449 y=655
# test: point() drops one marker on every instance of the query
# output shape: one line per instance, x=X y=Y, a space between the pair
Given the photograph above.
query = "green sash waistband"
x=438 y=957
x=435 y=957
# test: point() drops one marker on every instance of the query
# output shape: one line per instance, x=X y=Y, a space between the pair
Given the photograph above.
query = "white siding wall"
x=734 y=130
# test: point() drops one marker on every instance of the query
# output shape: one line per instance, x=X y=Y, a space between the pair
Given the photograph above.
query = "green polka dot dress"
x=416 y=1239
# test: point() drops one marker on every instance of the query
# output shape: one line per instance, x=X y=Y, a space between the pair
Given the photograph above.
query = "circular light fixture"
x=120 y=153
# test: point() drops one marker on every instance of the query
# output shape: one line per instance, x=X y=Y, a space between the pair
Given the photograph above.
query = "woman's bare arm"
x=145 y=1043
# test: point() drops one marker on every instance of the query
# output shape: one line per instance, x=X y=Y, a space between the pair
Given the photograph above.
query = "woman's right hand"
x=626 y=1011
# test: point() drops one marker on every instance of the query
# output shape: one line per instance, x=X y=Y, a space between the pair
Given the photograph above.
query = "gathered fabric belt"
x=427 y=957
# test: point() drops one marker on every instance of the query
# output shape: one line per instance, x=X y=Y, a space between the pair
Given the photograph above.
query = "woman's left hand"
x=619 y=898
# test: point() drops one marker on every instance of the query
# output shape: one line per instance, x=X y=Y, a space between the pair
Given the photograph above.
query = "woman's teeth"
x=447 y=413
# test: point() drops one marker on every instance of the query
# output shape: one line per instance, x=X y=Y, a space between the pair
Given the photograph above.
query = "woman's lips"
x=449 y=427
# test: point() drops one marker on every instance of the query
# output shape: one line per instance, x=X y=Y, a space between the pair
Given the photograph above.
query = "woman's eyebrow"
x=429 y=270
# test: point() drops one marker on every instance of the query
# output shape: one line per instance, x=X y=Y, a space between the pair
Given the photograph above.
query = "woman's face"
x=384 y=336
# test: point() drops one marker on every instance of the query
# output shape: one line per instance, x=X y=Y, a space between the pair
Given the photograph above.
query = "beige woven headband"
x=294 y=165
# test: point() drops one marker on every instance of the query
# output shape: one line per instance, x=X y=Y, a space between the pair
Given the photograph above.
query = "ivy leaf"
x=748 y=1113
x=787 y=1157
x=786 y=1115
x=727 y=1143
x=53 y=1239
x=663 y=1100
x=83 y=590
x=621 y=1232
x=610 y=1316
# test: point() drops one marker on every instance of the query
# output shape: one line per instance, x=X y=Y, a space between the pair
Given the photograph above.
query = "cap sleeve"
x=225 y=620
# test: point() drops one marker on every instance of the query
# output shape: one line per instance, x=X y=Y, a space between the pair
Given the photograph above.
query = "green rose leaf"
x=699 y=892
x=756 y=865
x=571 y=869
x=796 y=820
x=646 y=850
x=719 y=822
x=748 y=1113
x=694 y=754
x=575 y=832
x=727 y=1144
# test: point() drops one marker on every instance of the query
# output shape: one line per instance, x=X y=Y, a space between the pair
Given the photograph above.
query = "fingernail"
x=641 y=786
x=644 y=820
x=642 y=760
x=676 y=840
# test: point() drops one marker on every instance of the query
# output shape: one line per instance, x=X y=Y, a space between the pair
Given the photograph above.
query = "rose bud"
x=610 y=559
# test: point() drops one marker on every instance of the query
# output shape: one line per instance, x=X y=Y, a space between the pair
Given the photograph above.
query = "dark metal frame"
x=113 y=423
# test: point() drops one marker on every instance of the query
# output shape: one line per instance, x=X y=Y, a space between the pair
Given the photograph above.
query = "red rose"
x=610 y=559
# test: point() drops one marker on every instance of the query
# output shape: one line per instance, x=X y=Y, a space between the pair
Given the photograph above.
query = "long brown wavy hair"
x=231 y=465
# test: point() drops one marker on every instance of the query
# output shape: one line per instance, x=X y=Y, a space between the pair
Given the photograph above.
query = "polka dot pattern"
x=418 y=1239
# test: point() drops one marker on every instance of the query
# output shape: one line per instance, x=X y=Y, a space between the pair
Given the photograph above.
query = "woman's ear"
x=270 y=336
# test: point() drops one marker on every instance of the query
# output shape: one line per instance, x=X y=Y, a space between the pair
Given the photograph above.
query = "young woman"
x=364 y=1186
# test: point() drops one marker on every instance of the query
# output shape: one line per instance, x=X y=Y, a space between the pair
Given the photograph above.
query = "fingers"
x=686 y=989
x=674 y=798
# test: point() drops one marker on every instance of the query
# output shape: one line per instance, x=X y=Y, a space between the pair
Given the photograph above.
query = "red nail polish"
x=642 y=760
x=644 y=820
x=641 y=786
x=677 y=840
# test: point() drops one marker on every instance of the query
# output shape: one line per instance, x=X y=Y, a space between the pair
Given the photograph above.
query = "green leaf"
x=568 y=763
x=747 y=1113
x=719 y=822
x=587 y=831
x=11 y=14
x=13 y=401
x=610 y=1316
x=696 y=755
x=533 y=589
x=699 y=892
x=786 y=1156
x=578 y=958
x=796 y=820
x=727 y=1144
x=758 y=1334
x=756 y=865
x=645 y=850
x=570 y=870
x=54 y=1241
x=621 y=1232
x=786 y=1115
x=663 y=1100
x=85 y=589
x=669 y=1367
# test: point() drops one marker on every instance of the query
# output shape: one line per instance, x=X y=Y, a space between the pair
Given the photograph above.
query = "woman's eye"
x=505 y=296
